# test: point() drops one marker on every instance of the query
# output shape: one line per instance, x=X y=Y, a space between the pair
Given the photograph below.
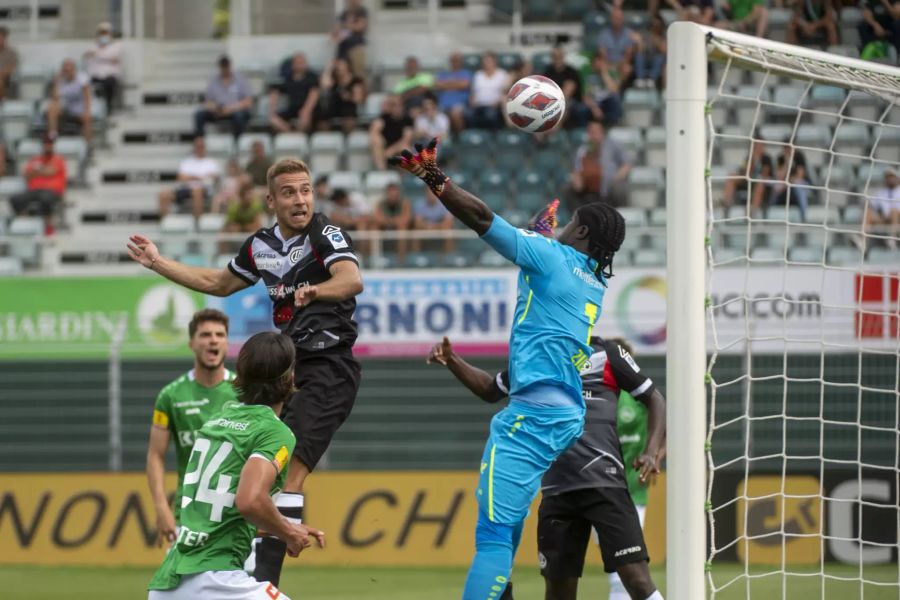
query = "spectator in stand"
x=349 y=211
x=617 y=44
x=747 y=16
x=791 y=185
x=245 y=213
x=759 y=168
x=881 y=23
x=883 y=209
x=258 y=165
x=452 y=87
x=197 y=177
x=9 y=62
x=104 y=65
x=389 y=133
x=430 y=215
x=813 y=23
x=569 y=81
x=229 y=187
x=698 y=11
x=45 y=177
x=431 y=123
x=394 y=213
x=489 y=87
x=344 y=94
x=602 y=97
x=70 y=101
x=650 y=57
x=228 y=98
x=601 y=169
x=300 y=91
x=350 y=35
x=413 y=87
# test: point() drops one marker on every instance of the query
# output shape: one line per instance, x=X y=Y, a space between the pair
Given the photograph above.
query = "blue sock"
x=494 y=549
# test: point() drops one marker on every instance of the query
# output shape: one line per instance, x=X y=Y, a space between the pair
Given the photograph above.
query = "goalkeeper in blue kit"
x=559 y=298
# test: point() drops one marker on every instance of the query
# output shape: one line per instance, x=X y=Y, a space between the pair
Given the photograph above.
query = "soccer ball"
x=535 y=104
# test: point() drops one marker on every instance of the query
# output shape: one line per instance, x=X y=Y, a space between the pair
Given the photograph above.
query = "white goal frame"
x=689 y=52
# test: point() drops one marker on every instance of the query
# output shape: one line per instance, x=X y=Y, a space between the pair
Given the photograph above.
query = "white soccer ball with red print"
x=535 y=104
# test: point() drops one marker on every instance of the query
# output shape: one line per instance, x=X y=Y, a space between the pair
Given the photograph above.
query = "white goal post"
x=691 y=48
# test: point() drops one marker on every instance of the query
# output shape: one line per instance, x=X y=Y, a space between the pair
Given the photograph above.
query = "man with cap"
x=228 y=98
x=104 y=64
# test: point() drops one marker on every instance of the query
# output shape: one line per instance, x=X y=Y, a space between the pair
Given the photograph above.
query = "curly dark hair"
x=265 y=369
x=606 y=231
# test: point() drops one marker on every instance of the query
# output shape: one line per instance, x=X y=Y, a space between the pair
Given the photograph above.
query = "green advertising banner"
x=82 y=317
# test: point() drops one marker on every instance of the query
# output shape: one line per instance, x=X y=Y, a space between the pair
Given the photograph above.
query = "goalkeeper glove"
x=422 y=164
x=544 y=222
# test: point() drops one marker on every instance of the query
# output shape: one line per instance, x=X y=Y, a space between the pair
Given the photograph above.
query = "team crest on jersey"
x=334 y=235
x=295 y=255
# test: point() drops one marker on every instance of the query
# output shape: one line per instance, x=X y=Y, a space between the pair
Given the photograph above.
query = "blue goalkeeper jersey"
x=559 y=300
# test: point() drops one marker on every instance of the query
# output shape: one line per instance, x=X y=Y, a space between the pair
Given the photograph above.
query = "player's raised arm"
x=254 y=502
x=466 y=207
x=478 y=382
x=216 y=282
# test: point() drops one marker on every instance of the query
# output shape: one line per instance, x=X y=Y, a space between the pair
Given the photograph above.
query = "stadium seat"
x=511 y=150
x=780 y=214
x=815 y=139
x=541 y=61
x=220 y=261
x=16 y=117
x=493 y=189
x=658 y=217
x=194 y=260
x=844 y=256
x=634 y=217
x=828 y=99
x=454 y=260
x=593 y=23
x=640 y=107
x=629 y=138
x=26 y=243
x=720 y=105
x=788 y=99
x=778 y=22
x=74 y=150
x=347 y=180
x=246 y=142
x=776 y=133
x=805 y=254
x=745 y=106
x=882 y=256
x=10 y=186
x=509 y=61
x=823 y=215
x=574 y=10
x=655 y=147
x=209 y=224
x=853 y=214
x=376 y=181
x=33 y=80
x=372 y=107
x=852 y=141
x=359 y=156
x=767 y=254
x=648 y=257
x=174 y=231
x=887 y=146
x=326 y=151
x=471 y=248
x=219 y=145
x=383 y=261
x=490 y=258
x=473 y=150
x=420 y=260
x=730 y=256
x=532 y=192
x=472 y=61
x=291 y=145
x=734 y=147
x=813 y=237
x=645 y=185
x=864 y=106
x=10 y=266
x=539 y=10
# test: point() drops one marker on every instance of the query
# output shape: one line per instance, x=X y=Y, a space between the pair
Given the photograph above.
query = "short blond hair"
x=284 y=167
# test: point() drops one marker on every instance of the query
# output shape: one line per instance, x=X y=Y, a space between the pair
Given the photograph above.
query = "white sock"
x=655 y=596
x=616 y=589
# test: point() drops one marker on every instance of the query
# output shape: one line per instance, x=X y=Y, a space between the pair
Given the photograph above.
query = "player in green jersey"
x=182 y=408
x=238 y=462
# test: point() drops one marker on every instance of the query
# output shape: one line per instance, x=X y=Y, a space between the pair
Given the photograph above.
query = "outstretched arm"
x=466 y=207
x=478 y=382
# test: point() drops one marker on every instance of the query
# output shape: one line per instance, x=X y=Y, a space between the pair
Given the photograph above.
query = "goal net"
x=799 y=270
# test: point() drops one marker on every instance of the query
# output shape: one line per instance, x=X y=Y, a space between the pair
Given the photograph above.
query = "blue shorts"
x=524 y=442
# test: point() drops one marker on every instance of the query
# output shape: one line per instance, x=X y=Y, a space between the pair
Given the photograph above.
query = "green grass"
x=382 y=583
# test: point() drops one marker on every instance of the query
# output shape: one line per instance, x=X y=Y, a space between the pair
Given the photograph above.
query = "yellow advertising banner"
x=370 y=518
x=782 y=519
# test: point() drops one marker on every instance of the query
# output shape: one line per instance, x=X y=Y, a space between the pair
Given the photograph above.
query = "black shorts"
x=326 y=390
x=564 y=528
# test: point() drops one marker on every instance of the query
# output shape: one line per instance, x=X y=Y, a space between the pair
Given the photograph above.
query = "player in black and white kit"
x=585 y=488
x=312 y=276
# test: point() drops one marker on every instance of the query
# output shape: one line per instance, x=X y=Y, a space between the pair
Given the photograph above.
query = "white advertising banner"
x=800 y=309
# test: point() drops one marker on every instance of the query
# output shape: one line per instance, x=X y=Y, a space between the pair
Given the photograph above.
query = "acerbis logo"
x=625 y=551
x=648 y=285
